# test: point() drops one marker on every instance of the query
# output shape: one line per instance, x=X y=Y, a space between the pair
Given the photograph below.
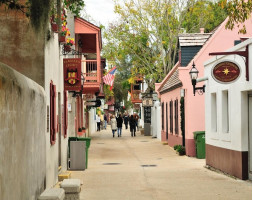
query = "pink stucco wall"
x=166 y=98
x=221 y=40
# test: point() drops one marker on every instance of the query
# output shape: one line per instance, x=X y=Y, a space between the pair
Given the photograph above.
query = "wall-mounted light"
x=194 y=75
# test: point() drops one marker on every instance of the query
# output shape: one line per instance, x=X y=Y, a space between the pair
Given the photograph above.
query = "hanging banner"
x=226 y=72
x=72 y=74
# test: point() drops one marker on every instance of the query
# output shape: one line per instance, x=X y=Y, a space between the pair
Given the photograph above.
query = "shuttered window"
x=65 y=114
x=171 y=117
x=53 y=118
x=167 y=136
x=176 y=116
x=163 y=116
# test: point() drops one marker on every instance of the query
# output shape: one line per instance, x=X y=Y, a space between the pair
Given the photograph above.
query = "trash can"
x=87 y=140
x=199 y=137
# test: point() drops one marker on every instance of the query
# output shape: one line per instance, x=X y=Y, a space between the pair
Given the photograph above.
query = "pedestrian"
x=119 y=125
x=132 y=124
x=105 y=120
x=113 y=125
x=98 y=119
x=136 y=117
x=126 y=120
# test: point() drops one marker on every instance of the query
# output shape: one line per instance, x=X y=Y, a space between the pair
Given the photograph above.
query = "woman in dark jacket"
x=119 y=125
x=132 y=125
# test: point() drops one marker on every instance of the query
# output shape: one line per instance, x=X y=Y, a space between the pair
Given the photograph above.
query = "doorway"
x=59 y=128
x=250 y=135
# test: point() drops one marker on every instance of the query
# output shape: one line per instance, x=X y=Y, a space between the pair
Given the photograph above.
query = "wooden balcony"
x=135 y=96
x=92 y=76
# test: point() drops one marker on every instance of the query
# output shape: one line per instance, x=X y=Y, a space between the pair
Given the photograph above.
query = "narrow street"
x=141 y=168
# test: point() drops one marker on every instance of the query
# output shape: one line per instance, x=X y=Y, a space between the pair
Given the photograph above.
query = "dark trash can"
x=87 y=140
x=199 y=137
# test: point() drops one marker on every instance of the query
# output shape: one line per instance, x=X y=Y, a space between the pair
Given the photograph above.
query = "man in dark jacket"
x=126 y=119
x=119 y=125
x=132 y=125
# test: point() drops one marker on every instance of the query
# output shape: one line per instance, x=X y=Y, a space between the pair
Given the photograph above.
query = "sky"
x=100 y=10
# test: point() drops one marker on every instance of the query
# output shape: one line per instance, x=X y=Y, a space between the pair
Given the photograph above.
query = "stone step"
x=52 y=194
x=64 y=175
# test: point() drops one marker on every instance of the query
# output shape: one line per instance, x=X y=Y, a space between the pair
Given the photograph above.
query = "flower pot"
x=80 y=133
x=54 y=27
x=67 y=48
x=62 y=39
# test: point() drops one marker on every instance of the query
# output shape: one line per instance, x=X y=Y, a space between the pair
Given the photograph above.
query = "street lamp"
x=194 y=75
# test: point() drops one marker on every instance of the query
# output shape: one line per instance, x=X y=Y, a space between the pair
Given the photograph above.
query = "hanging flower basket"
x=54 y=27
x=62 y=39
x=67 y=48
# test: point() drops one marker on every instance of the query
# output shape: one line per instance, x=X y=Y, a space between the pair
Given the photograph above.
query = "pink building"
x=176 y=90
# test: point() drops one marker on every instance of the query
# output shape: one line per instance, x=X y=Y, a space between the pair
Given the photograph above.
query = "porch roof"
x=82 y=26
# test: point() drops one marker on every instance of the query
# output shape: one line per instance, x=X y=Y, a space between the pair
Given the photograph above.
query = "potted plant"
x=79 y=133
x=83 y=129
x=69 y=42
x=180 y=149
x=64 y=30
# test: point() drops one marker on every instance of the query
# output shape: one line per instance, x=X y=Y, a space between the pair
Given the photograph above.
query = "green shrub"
x=180 y=149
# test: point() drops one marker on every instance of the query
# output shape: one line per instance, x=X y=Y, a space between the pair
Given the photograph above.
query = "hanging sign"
x=147 y=102
x=72 y=74
x=226 y=72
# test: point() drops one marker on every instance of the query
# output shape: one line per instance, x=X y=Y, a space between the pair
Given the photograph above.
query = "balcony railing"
x=89 y=70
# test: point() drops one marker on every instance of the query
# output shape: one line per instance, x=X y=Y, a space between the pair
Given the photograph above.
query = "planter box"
x=54 y=27
x=62 y=39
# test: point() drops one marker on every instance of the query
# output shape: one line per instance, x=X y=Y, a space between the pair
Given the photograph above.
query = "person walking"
x=113 y=125
x=119 y=125
x=126 y=120
x=98 y=119
x=132 y=124
x=105 y=120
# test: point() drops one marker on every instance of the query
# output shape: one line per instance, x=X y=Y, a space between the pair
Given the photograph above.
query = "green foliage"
x=238 y=11
x=203 y=14
x=145 y=37
x=75 y=6
x=180 y=149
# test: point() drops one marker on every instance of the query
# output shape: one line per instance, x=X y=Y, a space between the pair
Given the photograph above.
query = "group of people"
x=99 y=120
x=116 y=124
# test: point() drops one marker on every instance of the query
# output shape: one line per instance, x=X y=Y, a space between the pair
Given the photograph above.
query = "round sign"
x=226 y=72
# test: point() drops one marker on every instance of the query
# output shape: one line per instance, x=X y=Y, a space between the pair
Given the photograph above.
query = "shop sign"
x=226 y=72
x=72 y=74
x=147 y=102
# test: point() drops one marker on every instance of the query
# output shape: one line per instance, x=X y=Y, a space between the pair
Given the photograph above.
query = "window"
x=162 y=115
x=53 y=118
x=176 y=116
x=65 y=114
x=171 y=117
x=167 y=136
x=225 y=112
x=213 y=112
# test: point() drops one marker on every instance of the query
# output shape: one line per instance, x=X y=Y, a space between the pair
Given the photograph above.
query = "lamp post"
x=194 y=75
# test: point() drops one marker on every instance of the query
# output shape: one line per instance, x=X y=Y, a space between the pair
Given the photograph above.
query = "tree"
x=203 y=14
x=238 y=11
x=146 y=36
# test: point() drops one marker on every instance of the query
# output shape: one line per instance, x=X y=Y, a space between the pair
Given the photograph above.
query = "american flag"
x=109 y=77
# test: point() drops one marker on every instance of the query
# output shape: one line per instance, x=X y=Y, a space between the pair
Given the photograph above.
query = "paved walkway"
x=141 y=168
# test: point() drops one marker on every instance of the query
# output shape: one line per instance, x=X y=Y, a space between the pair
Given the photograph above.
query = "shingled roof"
x=193 y=39
x=172 y=83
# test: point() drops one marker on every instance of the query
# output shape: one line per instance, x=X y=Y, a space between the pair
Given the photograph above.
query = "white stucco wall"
x=237 y=136
x=22 y=136
x=54 y=72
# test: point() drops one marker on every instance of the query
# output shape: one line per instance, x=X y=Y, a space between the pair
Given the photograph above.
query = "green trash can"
x=87 y=140
x=199 y=137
